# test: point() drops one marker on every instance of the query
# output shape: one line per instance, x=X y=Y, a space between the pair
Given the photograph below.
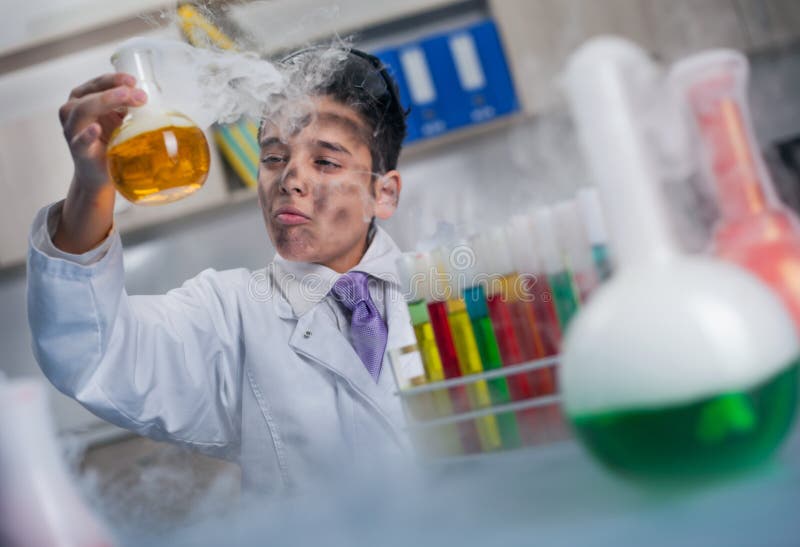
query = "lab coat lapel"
x=319 y=340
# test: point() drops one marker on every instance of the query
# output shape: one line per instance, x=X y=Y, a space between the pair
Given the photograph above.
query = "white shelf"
x=30 y=23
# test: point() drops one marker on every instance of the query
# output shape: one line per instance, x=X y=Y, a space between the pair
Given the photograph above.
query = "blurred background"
x=489 y=136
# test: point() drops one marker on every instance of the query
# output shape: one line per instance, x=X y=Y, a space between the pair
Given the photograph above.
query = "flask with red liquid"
x=755 y=229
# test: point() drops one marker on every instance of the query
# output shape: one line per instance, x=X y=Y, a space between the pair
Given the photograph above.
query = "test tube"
x=468 y=355
x=502 y=316
x=416 y=289
x=562 y=283
x=575 y=248
x=437 y=311
x=470 y=283
x=514 y=325
x=523 y=246
x=521 y=238
x=592 y=214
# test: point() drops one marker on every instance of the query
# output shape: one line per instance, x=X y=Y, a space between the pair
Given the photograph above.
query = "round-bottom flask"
x=688 y=368
x=157 y=155
x=679 y=366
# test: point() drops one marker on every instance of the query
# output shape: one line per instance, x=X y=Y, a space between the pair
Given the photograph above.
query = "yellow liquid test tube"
x=470 y=360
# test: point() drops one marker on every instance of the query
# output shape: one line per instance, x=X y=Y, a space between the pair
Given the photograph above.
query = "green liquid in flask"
x=716 y=435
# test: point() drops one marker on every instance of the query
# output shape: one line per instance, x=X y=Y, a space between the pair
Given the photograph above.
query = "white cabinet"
x=27 y=23
x=539 y=35
x=282 y=24
x=771 y=23
x=36 y=168
x=682 y=27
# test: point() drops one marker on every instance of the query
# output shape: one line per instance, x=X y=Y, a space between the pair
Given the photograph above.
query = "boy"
x=283 y=370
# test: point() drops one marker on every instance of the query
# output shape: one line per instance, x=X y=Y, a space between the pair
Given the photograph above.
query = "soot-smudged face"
x=316 y=188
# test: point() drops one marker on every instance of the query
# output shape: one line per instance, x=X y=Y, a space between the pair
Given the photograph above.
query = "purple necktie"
x=367 y=329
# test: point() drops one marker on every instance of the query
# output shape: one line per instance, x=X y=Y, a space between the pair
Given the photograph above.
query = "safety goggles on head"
x=368 y=72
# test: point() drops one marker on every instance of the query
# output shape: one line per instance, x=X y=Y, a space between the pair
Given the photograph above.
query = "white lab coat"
x=223 y=365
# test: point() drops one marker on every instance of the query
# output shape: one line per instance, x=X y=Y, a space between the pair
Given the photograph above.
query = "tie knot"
x=351 y=289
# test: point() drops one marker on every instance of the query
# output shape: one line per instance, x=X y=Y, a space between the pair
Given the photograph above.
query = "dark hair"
x=361 y=82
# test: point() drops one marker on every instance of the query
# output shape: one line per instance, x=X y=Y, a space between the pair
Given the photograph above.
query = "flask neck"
x=732 y=158
x=713 y=87
x=607 y=82
x=139 y=64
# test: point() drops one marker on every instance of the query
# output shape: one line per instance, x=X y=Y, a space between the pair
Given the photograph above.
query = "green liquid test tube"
x=602 y=261
x=565 y=296
x=594 y=222
x=475 y=300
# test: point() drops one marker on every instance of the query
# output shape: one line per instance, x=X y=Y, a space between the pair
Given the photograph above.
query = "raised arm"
x=166 y=366
x=89 y=117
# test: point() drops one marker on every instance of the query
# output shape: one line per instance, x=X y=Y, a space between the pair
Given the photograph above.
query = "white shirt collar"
x=305 y=284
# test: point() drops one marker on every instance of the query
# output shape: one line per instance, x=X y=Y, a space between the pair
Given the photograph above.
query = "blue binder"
x=453 y=80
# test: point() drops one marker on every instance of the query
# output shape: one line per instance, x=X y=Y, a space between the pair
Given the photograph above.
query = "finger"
x=108 y=124
x=101 y=83
x=65 y=110
x=92 y=107
x=83 y=140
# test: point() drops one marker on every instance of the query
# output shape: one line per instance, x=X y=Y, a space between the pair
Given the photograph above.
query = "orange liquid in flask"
x=160 y=165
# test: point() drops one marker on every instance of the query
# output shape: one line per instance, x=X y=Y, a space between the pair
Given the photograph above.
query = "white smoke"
x=222 y=86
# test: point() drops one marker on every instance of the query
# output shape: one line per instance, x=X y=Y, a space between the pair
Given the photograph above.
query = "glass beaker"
x=157 y=155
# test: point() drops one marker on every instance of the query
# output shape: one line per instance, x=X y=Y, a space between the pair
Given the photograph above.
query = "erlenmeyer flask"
x=755 y=229
x=157 y=155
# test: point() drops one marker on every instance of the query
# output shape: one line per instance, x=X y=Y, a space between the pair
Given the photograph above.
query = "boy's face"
x=316 y=188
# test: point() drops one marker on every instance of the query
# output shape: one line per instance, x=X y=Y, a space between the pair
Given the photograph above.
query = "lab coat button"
x=307 y=334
